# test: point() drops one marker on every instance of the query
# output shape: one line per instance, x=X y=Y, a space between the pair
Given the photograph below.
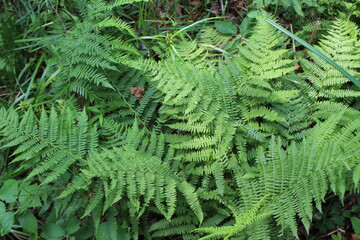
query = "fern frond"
x=242 y=221
x=146 y=177
x=122 y=2
x=340 y=45
x=52 y=144
x=262 y=62
x=300 y=175
x=116 y=23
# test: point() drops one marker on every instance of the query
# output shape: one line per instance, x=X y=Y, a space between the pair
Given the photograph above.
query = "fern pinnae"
x=329 y=150
x=58 y=148
x=95 y=199
x=116 y=23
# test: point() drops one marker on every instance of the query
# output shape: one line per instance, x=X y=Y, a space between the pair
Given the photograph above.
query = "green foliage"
x=295 y=9
x=301 y=175
x=340 y=44
x=8 y=60
x=242 y=222
x=52 y=144
x=295 y=5
x=92 y=51
x=6 y=220
x=220 y=136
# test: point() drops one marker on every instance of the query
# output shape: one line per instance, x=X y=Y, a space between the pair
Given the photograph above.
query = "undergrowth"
x=198 y=130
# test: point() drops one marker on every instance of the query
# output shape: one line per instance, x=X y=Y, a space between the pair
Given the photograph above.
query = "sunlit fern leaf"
x=189 y=107
x=133 y=175
x=260 y=66
x=340 y=45
x=116 y=23
x=87 y=55
x=243 y=220
x=303 y=174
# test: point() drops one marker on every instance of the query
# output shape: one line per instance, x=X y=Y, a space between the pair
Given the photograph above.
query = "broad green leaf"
x=226 y=27
x=337 y=236
x=9 y=191
x=53 y=231
x=29 y=196
x=355 y=221
x=104 y=232
x=297 y=7
x=6 y=220
x=107 y=231
x=245 y=27
x=28 y=222
x=72 y=226
x=85 y=232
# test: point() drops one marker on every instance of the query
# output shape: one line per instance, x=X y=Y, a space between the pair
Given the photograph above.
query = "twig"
x=17 y=95
x=313 y=35
x=297 y=66
x=17 y=237
x=57 y=14
x=332 y=232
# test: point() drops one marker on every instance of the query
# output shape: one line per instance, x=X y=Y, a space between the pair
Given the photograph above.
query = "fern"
x=210 y=39
x=146 y=178
x=88 y=55
x=340 y=45
x=246 y=219
x=136 y=175
x=314 y=30
x=187 y=107
x=52 y=144
x=301 y=174
x=133 y=98
x=195 y=145
x=293 y=5
x=263 y=64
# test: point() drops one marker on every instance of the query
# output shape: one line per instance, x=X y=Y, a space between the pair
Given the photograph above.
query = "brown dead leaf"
x=194 y=3
x=137 y=92
x=178 y=10
x=354 y=237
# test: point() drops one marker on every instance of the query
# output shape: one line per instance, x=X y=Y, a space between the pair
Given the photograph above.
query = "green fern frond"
x=51 y=144
x=340 y=45
x=88 y=55
x=116 y=23
x=300 y=175
x=260 y=66
x=243 y=220
x=117 y=3
x=146 y=177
